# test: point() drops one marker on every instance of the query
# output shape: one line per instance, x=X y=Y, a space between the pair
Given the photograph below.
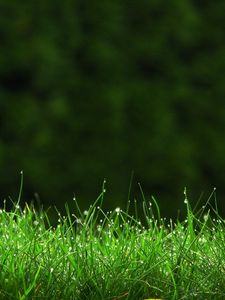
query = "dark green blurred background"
x=100 y=89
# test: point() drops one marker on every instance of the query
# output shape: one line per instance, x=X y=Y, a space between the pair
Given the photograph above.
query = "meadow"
x=111 y=255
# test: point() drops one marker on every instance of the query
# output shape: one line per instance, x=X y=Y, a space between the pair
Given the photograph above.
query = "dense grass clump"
x=98 y=255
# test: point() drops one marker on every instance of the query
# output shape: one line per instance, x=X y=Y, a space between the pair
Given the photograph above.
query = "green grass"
x=97 y=255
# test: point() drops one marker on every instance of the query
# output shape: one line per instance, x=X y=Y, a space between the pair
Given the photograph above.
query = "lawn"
x=111 y=255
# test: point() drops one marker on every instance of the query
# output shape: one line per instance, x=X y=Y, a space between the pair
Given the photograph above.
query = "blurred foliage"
x=94 y=90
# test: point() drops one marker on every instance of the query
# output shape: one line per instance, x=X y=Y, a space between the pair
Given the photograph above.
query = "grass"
x=98 y=255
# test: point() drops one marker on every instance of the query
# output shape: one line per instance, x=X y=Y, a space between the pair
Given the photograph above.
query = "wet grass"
x=111 y=255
